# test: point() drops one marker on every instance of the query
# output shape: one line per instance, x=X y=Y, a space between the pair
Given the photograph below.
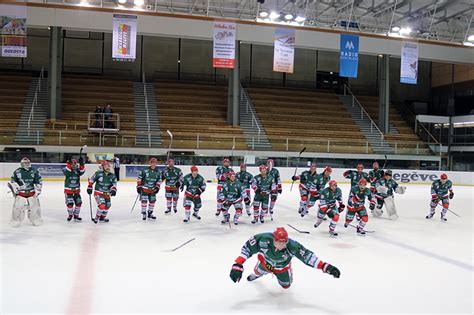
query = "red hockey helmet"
x=332 y=182
x=270 y=161
x=363 y=181
x=153 y=161
x=226 y=160
x=232 y=173
x=194 y=168
x=280 y=235
x=328 y=169
x=170 y=162
x=444 y=176
x=243 y=165
x=262 y=168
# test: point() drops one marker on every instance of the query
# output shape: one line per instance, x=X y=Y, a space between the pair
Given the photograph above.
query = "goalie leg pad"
x=18 y=211
x=34 y=213
x=391 y=209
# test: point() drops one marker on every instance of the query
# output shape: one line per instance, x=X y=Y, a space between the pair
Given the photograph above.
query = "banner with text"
x=284 y=50
x=124 y=39
x=409 y=63
x=349 y=56
x=224 y=45
x=13 y=24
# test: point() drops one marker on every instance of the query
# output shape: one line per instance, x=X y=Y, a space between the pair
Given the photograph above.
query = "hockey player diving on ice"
x=275 y=251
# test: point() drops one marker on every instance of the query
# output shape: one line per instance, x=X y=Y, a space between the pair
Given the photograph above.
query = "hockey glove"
x=181 y=188
x=294 y=178
x=81 y=161
x=372 y=206
x=341 y=207
x=451 y=194
x=178 y=184
x=236 y=272
x=113 y=192
x=280 y=190
x=139 y=190
x=332 y=270
x=89 y=190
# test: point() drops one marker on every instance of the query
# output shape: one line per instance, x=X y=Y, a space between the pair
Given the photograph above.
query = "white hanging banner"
x=13 y=30
x=284 y=50
x=409 y=63
x=224 y=45
x=124 y=41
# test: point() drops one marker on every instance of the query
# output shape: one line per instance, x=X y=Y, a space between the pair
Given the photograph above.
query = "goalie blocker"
x=385 y=188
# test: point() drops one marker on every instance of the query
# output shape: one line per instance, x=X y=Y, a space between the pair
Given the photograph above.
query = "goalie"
x=385 y=187
x=26 y=184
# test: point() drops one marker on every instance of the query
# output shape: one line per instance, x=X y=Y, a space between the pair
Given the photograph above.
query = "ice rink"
x=412 y=265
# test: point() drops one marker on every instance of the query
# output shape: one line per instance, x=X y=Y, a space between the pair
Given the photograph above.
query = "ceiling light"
x=300 y=19
x=122 y=1
x=405 y=31
x=468 y=44
x=138 y=3
x=263 y=14
x=274 y=15
x=288 y=16
x=84 y=2
x=396 y=29
x=471 y=38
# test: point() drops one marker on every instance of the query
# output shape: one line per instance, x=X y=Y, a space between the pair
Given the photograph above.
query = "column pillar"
x=233 y=113
x=384 y=94
x=54 y=106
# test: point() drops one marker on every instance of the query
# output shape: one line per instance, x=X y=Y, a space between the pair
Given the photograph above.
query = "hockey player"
x=72 y=187
x=105 y=187
x=263 y=185
x=375 y=175
x=222 y=175
x=173 y=178
x=26 y=184
x=273 y=172
x=356 y=204
x=320 y=182
x=385 y=187
x=356 y=176
x=441 y=190
x=329 y=196
x=195 y=186
x=307 y=183
x=148 y=185
x=245 y=178
x=233 y=193
x=274 y=253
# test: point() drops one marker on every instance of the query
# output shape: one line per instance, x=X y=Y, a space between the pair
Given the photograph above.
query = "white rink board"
x=208 y=172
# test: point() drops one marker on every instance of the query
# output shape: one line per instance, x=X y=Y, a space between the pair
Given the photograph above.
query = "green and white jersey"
x=104 y=182
x=440 y=189
x=273 y=259
x=357 y=197
x=232 y=191
x=329 y=197
x=374 y=176
x=355 y=177
x=321 y=181
x=27 y=179
x=194 y=185
x=308 y=180
x=245 y=178
x=72 y=180
x=390 y=184
x=222 y=174
x=275 y=174
x=171 y=176
x=265 y=184
x=149 y=179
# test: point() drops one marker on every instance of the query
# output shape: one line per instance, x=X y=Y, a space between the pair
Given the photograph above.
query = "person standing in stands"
x=108 y=111
x=116 y=161
x=98 y=117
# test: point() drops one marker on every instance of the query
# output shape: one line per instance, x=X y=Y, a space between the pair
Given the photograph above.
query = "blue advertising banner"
x=49 y=170
x=349 y=58
x=134 y=170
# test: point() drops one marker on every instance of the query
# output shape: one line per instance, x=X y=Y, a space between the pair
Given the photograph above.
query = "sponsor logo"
x=407 y=177
x=349 y=45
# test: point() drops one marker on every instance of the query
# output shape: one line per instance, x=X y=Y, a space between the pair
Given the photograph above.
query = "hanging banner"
x=13 y=23
x=224 y=45
x=124 y=39
x=284 y=50
x=409 y=63
x=349 y=56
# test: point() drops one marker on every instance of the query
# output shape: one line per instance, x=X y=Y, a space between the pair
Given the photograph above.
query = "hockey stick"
x=82 y=148
x=136 y=199
x=385 y=162
x=232 y=157
x=439 y=202
x=364 y=230
x=299 y=231
x=296 y=169
x=90 y=207
x=169 y=147
x=187 y=242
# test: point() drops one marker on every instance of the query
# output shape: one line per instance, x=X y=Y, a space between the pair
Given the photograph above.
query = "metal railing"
x=102 y=122
x=363 y=112
x=248 y=108
x=146 y=107
x=35 y=100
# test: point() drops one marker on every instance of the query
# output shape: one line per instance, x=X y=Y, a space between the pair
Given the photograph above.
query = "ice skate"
x=196 y=215
x=77 y=218
x=360 y=231
x=252 y=277
x=69 y=218
x=151 y=216
x=332 y=233
x=430 y=215
x=443 y=218
x=168 y=211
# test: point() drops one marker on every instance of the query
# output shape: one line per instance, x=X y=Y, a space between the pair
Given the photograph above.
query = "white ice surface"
x=411 y=265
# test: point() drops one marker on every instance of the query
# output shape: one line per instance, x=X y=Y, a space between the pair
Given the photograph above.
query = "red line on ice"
x=80 y=300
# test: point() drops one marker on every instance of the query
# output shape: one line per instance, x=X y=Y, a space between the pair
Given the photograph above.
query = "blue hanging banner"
x=349 y=57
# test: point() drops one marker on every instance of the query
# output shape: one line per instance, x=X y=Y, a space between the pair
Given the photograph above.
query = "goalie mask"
x=25 y=163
